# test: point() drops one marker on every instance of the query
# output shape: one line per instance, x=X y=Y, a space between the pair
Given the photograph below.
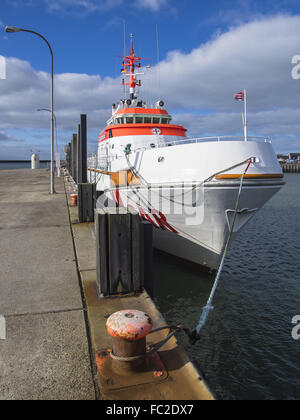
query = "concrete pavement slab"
x=45 y=357
x=37 y=271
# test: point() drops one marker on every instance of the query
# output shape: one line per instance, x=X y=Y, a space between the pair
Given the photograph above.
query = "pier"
x=46 y=351
x=291 y=168
x=57 y=345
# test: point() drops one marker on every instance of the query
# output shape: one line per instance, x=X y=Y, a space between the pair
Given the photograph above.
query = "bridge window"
x=129 y=120
x=148 y=120
x=165 y=121
x=156 y=120
x=139 y=120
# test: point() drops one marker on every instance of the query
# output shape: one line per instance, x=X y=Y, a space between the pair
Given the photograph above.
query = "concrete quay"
x=57 y=346
x=46 y=351
x=171 y=376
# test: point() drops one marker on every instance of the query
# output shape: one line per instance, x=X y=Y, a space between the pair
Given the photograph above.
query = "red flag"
x=239 y=96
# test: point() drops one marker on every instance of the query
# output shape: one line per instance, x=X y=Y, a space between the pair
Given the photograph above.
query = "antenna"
x=158 y=59
x=124 y=36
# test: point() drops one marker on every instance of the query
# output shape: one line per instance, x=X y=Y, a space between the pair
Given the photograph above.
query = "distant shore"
x=21 y=161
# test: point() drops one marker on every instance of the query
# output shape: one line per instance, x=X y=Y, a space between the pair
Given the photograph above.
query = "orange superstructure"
x=142 y=130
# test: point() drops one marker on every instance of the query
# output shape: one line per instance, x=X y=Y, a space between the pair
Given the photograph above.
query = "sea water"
x=246 y=349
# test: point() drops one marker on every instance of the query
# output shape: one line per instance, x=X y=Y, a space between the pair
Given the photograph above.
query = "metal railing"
x=212 y=139
x=102 y=163
x=177 y=142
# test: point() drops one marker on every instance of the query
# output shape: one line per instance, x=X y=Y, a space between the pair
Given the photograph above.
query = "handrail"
x=165 y=142
x=172 y=142
x=215 y=138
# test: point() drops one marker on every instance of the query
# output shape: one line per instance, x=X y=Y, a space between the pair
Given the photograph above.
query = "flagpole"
x=245 y=115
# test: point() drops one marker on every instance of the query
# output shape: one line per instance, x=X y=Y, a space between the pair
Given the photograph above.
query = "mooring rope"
x=208 y=307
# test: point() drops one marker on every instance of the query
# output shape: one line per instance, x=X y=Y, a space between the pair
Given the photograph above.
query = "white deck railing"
x=215 y=139
x=93 y=162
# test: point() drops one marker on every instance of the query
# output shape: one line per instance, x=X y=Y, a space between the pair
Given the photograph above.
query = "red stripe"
x=164 y=221
x=147 y=217
x=118 y=198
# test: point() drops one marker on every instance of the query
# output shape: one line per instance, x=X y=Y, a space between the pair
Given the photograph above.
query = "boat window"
x=165 y=121
x=139 y=120
x=156 y=120
x=129 y=120
x=120 y=121
x=148 y=120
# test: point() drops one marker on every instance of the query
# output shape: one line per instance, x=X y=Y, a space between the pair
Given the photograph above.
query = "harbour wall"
x=291 y=167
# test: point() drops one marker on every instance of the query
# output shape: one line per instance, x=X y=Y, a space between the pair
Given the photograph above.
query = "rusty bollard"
x=129 y=329
x=74 y=198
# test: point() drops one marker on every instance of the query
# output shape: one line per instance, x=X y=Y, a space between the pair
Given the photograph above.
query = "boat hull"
x=204 y=243
x=193 y=222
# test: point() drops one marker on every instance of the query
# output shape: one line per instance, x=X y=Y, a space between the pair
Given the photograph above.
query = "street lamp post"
x=12 y=29
x=57 y=157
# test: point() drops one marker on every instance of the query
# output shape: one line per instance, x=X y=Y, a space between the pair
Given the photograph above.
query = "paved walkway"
x=45 y=354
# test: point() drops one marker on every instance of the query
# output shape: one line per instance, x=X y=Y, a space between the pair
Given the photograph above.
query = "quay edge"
x=180 y=381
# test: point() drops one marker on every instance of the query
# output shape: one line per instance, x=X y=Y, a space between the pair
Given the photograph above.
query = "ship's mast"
x=130 y=63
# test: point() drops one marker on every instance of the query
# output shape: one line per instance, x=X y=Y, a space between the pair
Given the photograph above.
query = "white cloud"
x=197 y=87
x=154 y=5
x=6 y=138
x=255 y=56
x=91 y=6
x=88 y=6
x=26 y=90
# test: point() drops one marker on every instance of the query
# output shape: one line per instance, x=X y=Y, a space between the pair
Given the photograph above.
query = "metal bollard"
x=35 y=161
x=129 y=329
x=74 y=198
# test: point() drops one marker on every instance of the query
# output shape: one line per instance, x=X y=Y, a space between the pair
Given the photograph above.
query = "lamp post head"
x=12 y=29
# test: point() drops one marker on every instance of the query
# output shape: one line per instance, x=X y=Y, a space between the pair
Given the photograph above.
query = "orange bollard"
x=74 y=198
x=129 y=329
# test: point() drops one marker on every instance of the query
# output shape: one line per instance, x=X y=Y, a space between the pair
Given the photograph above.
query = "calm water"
x=20 y=165
x=246 y=351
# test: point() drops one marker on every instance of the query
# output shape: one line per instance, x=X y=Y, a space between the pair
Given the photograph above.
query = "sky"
x=208 y=51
